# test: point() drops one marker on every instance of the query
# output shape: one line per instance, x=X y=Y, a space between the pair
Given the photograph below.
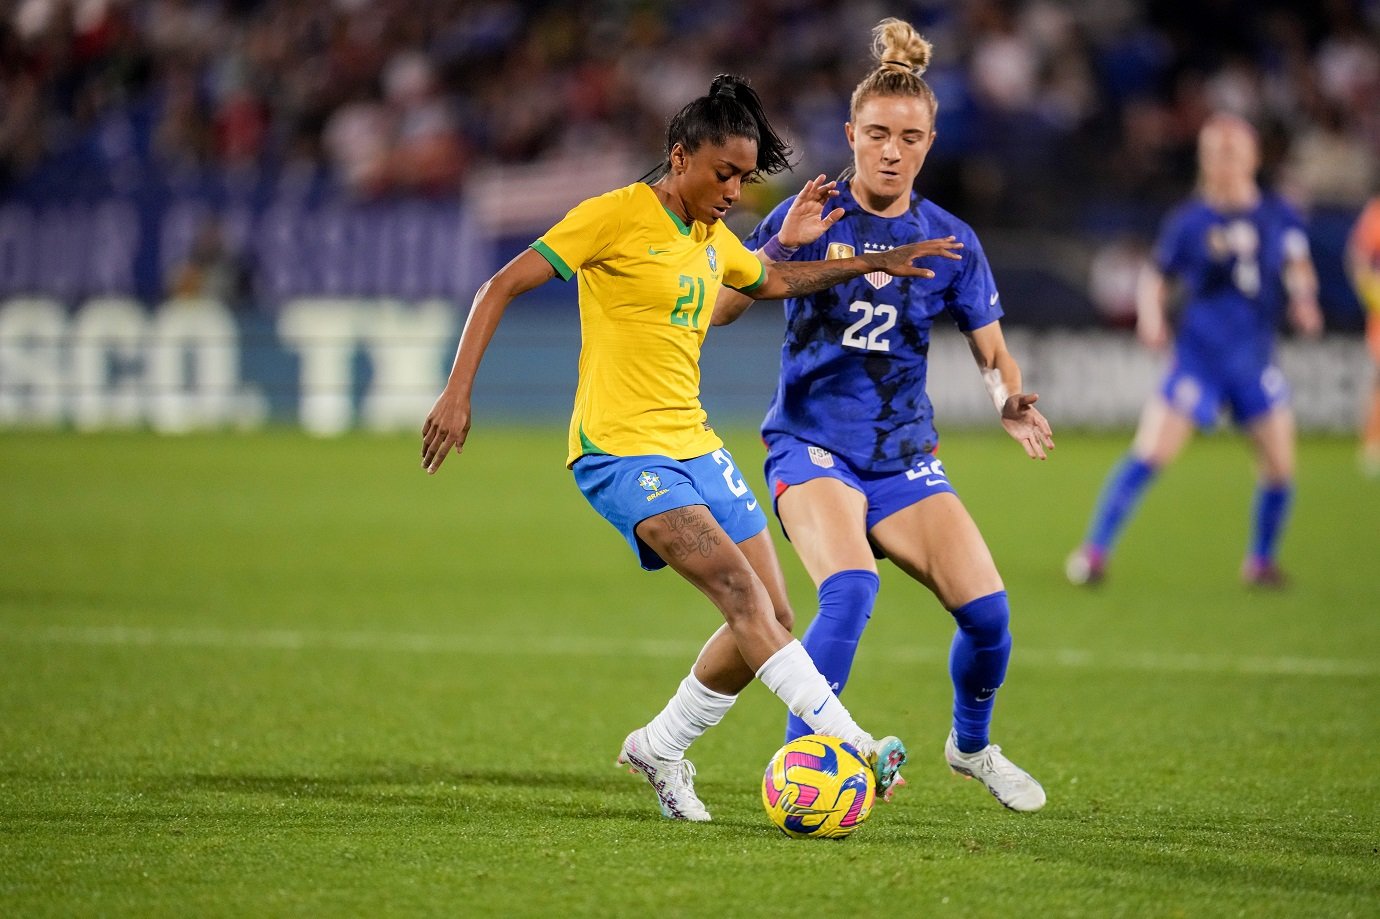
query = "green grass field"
x=268 y=675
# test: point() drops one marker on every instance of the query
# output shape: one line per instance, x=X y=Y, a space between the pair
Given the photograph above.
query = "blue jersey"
x=1232 y=269
x=854 y=361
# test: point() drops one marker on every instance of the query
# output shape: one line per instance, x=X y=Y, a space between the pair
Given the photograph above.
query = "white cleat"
x=1085 y=567
x=672 y=780
x=1008 y=783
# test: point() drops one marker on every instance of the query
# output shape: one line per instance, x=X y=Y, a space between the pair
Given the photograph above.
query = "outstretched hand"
x=447 y=425
x=1025 y=423
x=897 y=262
x=805 y=220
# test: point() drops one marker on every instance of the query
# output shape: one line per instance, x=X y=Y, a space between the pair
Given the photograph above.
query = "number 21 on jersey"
x=691 y=292
x=869 y=332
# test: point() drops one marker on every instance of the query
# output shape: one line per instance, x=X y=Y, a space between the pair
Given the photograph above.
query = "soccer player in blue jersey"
x=649 y=259
x=850 y=431
x=1242 y=257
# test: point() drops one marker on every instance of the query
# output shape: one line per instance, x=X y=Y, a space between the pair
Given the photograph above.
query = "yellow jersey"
x=1365 y=239
x=647 y=286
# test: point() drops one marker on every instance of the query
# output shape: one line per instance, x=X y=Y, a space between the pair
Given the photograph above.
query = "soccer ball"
x=818 y=787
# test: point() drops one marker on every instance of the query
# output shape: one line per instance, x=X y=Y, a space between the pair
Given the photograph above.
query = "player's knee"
x=1275 y=467
x=785 y=615
x=986 y=620
x=847 y=598
x=739 y=594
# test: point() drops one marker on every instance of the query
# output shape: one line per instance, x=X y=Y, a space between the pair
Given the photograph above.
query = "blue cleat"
x=886 y=757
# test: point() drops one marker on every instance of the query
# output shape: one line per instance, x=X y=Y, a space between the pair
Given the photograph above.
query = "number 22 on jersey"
x=869 y=332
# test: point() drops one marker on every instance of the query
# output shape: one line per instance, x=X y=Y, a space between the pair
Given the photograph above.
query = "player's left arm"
x=1301 y=283
x=796 y=279
x=1002 y=375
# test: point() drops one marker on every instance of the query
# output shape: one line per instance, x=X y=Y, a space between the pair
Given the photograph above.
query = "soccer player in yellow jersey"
x=650 y=260
x=1363 y=265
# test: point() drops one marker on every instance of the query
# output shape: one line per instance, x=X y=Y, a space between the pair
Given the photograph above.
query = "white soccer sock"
x=694 y=709
x=797 y=681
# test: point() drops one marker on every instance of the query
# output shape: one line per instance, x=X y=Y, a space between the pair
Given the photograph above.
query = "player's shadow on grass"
x=384 y=782
x=555 y=794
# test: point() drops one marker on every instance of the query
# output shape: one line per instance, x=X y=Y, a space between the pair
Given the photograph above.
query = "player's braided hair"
x=902 y=54
x=730 y=109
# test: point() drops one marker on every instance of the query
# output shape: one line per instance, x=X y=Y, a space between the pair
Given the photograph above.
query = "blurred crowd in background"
x=1073 y=118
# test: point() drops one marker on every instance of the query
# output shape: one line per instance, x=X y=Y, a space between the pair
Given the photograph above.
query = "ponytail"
x=730 y=109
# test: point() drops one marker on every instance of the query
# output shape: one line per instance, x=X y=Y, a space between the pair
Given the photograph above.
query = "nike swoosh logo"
x=934 y=481
x=821 y=707
x=752 y=505
x=651 y=251
x=993 y=301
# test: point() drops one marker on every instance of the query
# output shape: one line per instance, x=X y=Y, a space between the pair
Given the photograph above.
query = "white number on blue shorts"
x=735 y=485
x=932 y=472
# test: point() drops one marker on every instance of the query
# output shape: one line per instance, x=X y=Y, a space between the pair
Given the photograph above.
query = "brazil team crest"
x=713 y=258
x=651 y=482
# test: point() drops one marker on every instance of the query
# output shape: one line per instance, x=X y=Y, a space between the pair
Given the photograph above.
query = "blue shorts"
x=791 y=461
x=1200 y=395
x=626 y=490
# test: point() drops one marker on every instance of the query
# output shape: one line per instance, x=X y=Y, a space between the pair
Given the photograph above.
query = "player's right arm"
x=1173 y=254
x=1152 y=298
x=448 y=423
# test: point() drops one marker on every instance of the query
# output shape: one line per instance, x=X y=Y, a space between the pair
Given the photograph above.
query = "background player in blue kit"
x=1241 y=255
x=850 y=432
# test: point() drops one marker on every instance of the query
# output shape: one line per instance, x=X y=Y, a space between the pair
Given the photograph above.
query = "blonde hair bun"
x=897 y=46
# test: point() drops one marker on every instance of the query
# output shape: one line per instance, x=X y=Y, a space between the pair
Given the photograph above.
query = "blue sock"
x=845 y=605
x=1268 y=516
x=1120 y=495
x=977 y=665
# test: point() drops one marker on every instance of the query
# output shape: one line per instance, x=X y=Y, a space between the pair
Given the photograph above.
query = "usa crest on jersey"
x=821 y=457
x=877 y=279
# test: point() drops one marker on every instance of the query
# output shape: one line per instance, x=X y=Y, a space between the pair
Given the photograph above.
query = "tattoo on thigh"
x=692 y=533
